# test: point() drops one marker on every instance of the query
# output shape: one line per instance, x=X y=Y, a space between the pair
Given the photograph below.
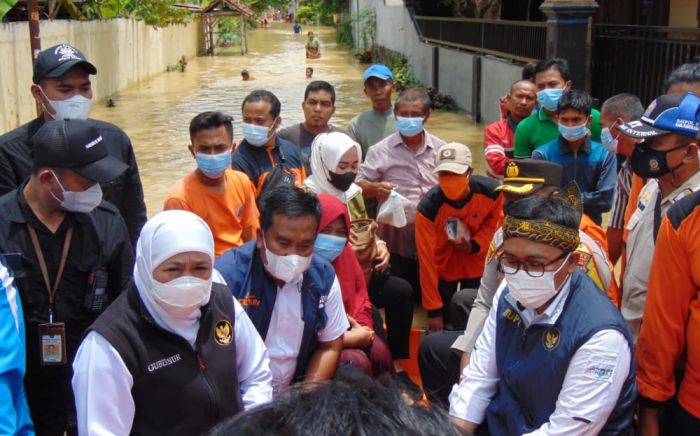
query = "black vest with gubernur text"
x=177 y=390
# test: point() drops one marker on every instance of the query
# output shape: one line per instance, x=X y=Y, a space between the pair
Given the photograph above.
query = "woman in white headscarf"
x=175 y=353
x=335 y=161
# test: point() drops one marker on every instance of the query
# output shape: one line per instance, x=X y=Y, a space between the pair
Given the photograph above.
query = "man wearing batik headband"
x=442 y=356
x=555 y=356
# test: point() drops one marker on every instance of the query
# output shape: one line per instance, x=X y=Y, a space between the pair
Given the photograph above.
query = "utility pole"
x=34 y=37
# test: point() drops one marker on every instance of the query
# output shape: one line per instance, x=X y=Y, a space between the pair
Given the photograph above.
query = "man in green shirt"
x=552 y=80
x=370 y=127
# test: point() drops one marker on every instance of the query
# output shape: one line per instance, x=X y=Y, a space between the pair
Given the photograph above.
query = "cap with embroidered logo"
x=75 y=145
x=525 y=176
x=55 y=61
x=669 y=113
x=453 y=157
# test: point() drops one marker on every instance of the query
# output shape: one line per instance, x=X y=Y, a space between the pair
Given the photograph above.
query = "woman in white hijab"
x=174 y=353
x=335 y=161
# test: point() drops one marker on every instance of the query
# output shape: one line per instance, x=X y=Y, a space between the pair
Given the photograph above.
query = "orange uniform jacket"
x=481 y=213
x=671 y=323
x=589 y=227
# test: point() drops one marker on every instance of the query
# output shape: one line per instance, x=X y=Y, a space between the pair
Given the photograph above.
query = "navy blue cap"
x=669 y=113
x=379 y=71
x=57 y=60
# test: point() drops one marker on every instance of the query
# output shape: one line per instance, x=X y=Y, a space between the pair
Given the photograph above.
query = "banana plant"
x=5 y=6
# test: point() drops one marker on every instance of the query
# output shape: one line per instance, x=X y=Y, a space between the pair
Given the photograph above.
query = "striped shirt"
x=622 y=195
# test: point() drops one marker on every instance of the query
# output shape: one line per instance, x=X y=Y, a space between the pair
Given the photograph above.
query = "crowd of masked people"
x=250 y=304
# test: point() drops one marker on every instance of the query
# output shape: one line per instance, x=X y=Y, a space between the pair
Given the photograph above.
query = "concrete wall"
x=124 y=52
x=456 y=76
x=474 y=91
x=396 y=31
x=496 y=77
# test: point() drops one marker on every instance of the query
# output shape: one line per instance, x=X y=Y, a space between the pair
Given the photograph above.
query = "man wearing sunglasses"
x=555 y=356
x=668 y=157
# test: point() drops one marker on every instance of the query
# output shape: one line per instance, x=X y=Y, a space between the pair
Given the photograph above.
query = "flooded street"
x=156 y=114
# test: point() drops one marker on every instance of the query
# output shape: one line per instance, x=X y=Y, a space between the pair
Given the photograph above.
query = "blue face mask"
x=573 y=133
x=213 y=165
x=328 y=246
x=606 y=138
x=256 y=135
x=548 y=98
x=409 y=126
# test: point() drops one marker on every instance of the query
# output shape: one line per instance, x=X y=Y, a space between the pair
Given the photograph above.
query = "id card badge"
x=52 y=344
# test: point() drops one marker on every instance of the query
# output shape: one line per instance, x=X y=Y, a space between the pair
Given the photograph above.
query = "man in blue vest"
x=292 y=297
x=555 y=355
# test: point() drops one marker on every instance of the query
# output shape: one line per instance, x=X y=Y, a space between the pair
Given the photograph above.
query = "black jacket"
x=177 y=390
x=125 y=192
x=100 y=240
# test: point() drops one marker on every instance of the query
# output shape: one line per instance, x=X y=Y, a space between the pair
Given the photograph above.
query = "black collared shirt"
x=125 y=192
x=99 y=238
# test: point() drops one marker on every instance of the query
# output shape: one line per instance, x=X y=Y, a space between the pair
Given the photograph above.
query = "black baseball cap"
x=669 y=113
x=57 y=60
x=75 y=145
x=524 y=176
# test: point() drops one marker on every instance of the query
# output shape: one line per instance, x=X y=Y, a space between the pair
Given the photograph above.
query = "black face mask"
x=342 y=182
x=651 y=164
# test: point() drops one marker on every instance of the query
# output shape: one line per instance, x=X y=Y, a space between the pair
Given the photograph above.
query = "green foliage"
x=343 y=36
x=321 y=11
x=326 y=9
x=5 y=6
x=441 y=101
x=306 y=15
x=403 y=77
x=158 y=13
x=366 y=22
x=228 y=31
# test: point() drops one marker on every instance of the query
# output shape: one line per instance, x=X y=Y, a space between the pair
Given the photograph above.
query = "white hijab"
x=326 y=152
x=166 y=234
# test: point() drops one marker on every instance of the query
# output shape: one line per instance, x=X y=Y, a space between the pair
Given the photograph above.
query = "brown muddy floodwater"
x=156 y=113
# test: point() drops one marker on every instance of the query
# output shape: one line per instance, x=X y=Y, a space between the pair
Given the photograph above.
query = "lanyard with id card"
x=52 y=336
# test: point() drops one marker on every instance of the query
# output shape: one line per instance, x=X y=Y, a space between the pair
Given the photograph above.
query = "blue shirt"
x=593 y=168
x=257 y=162
x=14 y=412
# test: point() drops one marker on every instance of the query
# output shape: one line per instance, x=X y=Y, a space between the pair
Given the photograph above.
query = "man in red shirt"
x=498 y=136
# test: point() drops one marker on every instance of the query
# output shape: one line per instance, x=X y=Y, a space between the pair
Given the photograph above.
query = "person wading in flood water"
x=313 y=46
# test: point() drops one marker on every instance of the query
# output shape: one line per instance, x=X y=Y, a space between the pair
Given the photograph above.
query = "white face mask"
x=285 y=268
x=181 y=296
x=75 y=108
x=533 y=292
x=83 y=202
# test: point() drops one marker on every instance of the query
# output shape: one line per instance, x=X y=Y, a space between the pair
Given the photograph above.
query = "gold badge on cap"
x=223 y=333
x=512 y=170
x=448 y=153
x=550 y=339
